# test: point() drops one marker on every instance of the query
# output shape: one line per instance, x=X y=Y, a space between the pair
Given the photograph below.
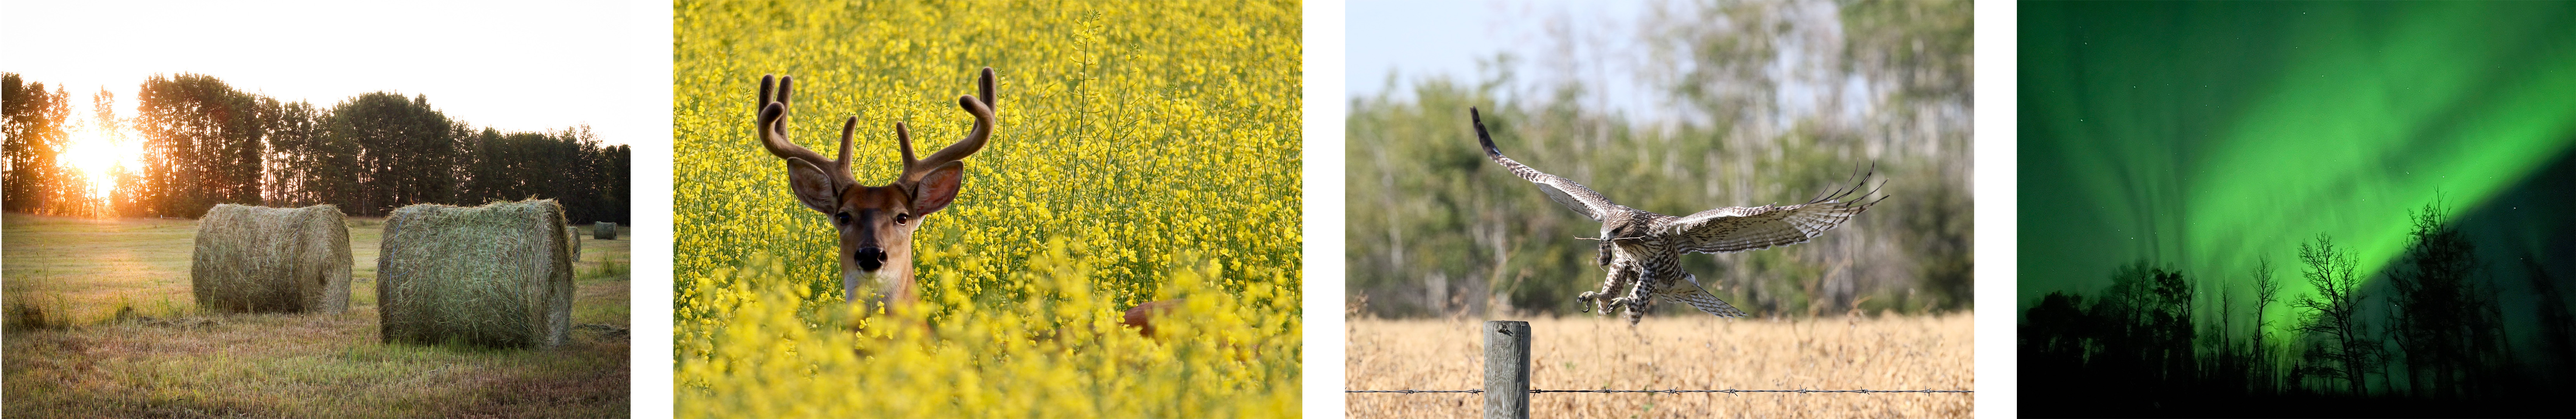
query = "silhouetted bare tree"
x=2266 y=291
x=2343 y=348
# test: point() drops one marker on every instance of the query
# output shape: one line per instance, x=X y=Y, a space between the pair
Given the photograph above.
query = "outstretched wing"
x=1737 y=229
x=1573 y=195
x=1692 y=294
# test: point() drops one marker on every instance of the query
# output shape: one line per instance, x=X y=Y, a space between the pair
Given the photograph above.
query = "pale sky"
x=1417 y=39
x=510 y=65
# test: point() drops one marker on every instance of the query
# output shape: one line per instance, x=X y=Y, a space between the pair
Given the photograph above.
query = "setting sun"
x=95 y=152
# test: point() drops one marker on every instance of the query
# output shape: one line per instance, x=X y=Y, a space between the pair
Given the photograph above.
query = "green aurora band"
x=2206 y=136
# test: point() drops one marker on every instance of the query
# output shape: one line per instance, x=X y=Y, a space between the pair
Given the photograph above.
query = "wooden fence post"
x=1507 y=367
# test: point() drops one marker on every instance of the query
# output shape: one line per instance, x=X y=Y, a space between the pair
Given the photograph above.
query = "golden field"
x=162 y=358
x=1143 y=151
x=1684 y=352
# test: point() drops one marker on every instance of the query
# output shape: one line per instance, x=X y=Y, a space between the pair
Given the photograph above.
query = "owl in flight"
x=1643 y=249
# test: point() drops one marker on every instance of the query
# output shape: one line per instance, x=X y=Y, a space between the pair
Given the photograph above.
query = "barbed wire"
x=1673 y=391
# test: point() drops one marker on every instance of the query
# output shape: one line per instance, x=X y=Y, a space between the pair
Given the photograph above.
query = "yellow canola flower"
x=1145 y=151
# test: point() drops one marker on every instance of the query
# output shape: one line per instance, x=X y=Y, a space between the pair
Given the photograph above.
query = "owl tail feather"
x=1695 y=296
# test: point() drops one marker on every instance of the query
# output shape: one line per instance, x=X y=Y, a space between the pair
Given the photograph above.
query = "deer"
x=876 y=223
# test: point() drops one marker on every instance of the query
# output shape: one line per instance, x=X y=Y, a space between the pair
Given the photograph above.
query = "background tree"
x=298 y=160
x=204 y=143
x=1434 y=228
x=2266 y=291
x=2148 y=317
x=569 y=165
x=2557 y=325
x=2342 y=348
x=35 y=128
x=406 y=154
x=2448 y=330
x=2141 y=329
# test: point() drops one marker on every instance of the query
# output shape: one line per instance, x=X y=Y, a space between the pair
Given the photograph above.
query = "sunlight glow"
x=96 y=150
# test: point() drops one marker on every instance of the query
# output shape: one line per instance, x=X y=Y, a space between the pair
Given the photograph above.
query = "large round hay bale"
x=603 y=230
x=252 y=259
x=495 y=275
x=573 y=235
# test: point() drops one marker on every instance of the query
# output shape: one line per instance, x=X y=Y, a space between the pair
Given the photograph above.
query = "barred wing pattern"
x=1638 y=244
x=1573 y=195
x=1691 y=293
x=1737 y=229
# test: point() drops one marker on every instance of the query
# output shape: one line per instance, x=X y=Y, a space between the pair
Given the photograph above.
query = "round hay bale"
x=573 y=235
x=497 y=275
x=603 y=230
x=252 y=259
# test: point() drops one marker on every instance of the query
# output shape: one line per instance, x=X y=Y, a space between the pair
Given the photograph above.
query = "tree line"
x=206 y=143
x=2431 y=336
x=1436 y=229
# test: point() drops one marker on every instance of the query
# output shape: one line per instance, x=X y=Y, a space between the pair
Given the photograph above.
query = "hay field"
x=163 y=359
x=1689 y=353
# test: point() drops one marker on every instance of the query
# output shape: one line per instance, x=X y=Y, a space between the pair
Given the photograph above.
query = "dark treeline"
x=2428 y=340
x=207 y=143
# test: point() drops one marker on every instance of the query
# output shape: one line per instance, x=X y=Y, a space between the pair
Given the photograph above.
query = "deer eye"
x=899 y=219
x=843 y=218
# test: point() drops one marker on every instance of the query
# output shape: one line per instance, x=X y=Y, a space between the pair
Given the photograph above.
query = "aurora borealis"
x=2207 y=136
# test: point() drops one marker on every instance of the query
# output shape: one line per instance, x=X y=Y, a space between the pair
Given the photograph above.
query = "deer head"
x=875 y=222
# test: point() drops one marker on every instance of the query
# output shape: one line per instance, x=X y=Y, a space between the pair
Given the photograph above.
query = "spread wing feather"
x=1692 y=294
x=1572 y=195
x=1737 y=229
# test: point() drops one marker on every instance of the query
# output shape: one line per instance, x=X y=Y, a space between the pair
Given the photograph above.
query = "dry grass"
x=166 y=360
x=496 y=275
x=253 y=259
x=1689 y=353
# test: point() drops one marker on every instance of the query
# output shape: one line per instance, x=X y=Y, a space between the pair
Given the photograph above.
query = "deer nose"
x=870 y=258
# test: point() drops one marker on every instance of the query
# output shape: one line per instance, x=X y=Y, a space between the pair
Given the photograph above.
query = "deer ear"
x=938 y=188
x=813 y=186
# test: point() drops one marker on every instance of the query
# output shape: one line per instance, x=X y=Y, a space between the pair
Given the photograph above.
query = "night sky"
x=2203 y=136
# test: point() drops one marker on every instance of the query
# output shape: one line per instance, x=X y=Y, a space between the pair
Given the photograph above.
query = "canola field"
x=1144 y=151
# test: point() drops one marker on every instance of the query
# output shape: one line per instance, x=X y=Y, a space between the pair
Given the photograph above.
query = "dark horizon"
x=2168 y=150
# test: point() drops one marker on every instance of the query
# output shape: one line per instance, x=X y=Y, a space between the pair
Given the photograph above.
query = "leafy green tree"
x=406 y=153
x=1434 y=228
x=207 y=143
x=292 y=130
x=203 y=144
x=568 y=165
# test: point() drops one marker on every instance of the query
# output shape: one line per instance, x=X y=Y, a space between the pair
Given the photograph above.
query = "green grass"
x=164 y=359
